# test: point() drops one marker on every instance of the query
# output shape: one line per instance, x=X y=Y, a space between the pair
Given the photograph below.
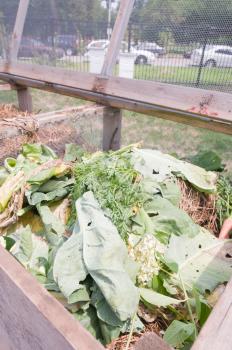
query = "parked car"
x=35 y=48
x=67 y=42
x=189 y=54
x=141 y=56
x=152 y=47
x=218 y=56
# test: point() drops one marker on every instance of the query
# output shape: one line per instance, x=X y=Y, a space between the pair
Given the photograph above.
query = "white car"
x=141 y=56
x=215 y=56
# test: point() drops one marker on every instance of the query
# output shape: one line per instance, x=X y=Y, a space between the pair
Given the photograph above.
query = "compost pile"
x=108 y=235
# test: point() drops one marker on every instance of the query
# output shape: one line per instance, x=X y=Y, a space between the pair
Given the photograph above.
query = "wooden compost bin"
x=30 y=318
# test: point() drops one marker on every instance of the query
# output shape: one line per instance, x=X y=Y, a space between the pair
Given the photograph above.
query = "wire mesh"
x=187 y=42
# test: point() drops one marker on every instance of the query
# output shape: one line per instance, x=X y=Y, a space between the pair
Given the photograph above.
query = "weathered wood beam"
x=112 y=124
x=31 y=318
x=24 y=97
x=18 y=29
x=216 y=333
x=125 y=9
x=197 y=107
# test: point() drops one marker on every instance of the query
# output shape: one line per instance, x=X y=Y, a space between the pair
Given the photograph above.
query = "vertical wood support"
x=125 y=9
x=24 y=97
x=112 y=124
x=112 y=119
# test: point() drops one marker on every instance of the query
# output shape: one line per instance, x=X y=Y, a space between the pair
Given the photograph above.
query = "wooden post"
x=31 y=318
x=125 y=9
x=113 y=117
x=112 y=123
x=24 y=97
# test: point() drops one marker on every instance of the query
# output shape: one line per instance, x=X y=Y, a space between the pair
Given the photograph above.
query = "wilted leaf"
x=161 y=166
x=178 y=332
x=69 y=268
x=105 y=256
x=202 y=261
x=156 y=299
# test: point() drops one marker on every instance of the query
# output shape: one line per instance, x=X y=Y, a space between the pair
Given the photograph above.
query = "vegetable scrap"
x=118 y=237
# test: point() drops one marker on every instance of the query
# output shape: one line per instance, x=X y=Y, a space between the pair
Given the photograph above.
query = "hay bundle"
x=199 y=206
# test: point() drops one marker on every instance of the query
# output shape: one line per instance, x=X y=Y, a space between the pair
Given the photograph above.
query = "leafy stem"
x=189 y=306
x=131 y=332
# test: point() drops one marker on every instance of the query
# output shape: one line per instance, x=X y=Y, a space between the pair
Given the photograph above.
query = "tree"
x=45 y=16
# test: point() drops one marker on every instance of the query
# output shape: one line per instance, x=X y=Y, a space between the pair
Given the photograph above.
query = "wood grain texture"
x=151 y=341
x=24 y=100
x=196 y=107
x=18 y=29
x=112 y=124
x=31 y=319
x=216 y=333
x=120 y=26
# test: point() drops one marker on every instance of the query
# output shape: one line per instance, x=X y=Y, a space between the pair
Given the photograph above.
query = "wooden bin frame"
x=30 y=317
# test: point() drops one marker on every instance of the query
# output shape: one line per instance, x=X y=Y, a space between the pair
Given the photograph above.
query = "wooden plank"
x=31 y=318
x=18 y=29
x=112 y=124
x=140 y=107
x=197 y=107
x=216 y=333
x=151 y=341
x=24 y=99
x=166 y=95
x=125 y=9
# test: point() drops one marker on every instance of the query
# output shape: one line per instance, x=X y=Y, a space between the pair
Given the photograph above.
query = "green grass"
x=175 y=138
x=42 y=101
x=209 y=76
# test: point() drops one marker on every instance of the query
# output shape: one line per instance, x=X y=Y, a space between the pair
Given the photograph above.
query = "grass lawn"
x=187 y=75
x=156 y=133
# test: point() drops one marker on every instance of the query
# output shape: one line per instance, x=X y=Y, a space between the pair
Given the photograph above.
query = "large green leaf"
x=51 y=222
x=156 y=299
x=178 y=332
x=161 y=166
x=209 y=160
x=105 y=256
x=38 y=153
x=162 y=218
x=168 y=219
x=30 y=250
x=69 y=268
x=104 y=311
x=89 y=320
x=202 y=261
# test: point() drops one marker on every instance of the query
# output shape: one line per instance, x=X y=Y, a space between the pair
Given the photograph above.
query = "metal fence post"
x=201 y=61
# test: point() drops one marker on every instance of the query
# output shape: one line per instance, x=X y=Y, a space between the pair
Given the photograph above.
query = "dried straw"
x=199 y=206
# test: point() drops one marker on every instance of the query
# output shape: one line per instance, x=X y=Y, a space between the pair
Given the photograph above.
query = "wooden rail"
x=197 y=107
x=216 y=334
x=31 y=318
